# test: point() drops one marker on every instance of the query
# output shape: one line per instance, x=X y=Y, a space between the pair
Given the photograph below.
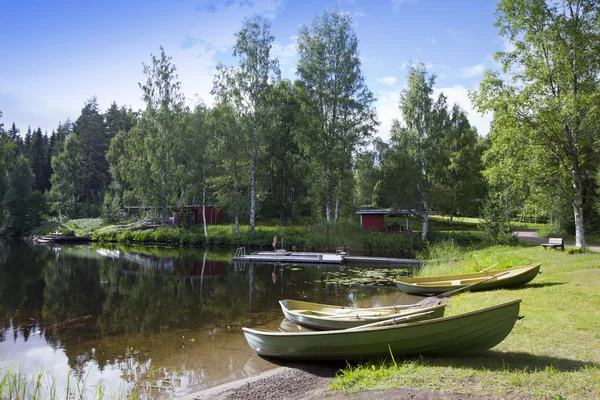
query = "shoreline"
x=310 y=381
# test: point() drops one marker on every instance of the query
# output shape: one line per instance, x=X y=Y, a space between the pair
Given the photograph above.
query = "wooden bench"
x=554 y=243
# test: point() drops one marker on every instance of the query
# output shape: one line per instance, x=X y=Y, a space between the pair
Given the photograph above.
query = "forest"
x=271 y=149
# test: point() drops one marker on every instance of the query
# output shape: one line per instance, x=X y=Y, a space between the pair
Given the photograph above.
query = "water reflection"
x=159 y=320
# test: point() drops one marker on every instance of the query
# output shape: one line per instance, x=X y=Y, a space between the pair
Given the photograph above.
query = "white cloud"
x=475 y=70
x=284 y=51
x=432 y=40
x=388 y=80
x=397 y=3
x=387 y=111
x=460 y=95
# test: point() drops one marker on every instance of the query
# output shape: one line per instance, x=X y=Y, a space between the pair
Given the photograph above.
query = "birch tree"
x=337 y=103
x=148 y=158
x=548 y=96
x=247 y=86
x=421 y=133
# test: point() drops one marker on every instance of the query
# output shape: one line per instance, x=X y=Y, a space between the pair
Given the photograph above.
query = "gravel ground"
x=302 y=382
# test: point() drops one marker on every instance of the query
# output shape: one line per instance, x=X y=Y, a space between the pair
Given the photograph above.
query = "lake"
x=161 y=321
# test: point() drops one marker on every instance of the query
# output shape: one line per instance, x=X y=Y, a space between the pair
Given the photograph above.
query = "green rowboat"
x=487 y=280
x=459 y=334
x=328 y=317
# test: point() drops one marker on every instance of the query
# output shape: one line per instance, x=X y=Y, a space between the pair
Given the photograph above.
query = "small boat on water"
x=329 y=317
x=458 y=334
x=488 y=280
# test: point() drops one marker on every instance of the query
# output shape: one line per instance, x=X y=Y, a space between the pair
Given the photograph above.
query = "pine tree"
x=15 y=203
x=91 y=129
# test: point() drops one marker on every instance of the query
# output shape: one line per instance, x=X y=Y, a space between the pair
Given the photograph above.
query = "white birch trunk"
x=578 y=214
x=204 y=200
x=337 y=198
x=253 y=182
x=328 y=196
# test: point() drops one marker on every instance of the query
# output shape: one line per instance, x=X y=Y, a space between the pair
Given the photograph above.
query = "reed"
x=41 y=385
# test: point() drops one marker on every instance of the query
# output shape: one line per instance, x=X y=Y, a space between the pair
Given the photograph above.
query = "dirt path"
x=530 y=236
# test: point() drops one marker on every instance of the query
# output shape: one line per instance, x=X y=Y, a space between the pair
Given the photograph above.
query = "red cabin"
x=214 y=214
x=373 y=220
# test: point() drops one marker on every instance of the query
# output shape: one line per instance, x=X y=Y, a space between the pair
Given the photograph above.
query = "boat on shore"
x=461 y=334
x=488 y=280
x=330 y=317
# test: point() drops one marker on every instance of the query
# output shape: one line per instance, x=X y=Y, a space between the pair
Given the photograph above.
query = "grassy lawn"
x=553 y=353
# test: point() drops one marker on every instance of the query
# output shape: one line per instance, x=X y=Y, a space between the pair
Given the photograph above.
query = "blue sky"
x=57 y=54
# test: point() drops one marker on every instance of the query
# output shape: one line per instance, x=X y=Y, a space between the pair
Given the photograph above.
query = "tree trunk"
x=578 y=213
x=424 y=214
x=237 y=196
x=204 y=199
x=253 y=181
x=425 y=222
x=328 y=196
x=337 y=198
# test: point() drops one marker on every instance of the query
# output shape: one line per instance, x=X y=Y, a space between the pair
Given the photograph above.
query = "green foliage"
x=544 y=138
x=247 y=87
x=17 y=201
x=496 y=223
x=67 y=182
x=551 y=230
x=337 y=115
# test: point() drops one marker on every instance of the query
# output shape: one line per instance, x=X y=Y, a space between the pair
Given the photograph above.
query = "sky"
x=57 y=54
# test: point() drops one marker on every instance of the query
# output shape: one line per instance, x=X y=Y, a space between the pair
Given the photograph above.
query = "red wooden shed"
x=214 y=214
x=373 y=220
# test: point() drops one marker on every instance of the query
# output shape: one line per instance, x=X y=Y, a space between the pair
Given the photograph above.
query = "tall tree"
x=284 y=166
x=459 y=185
x=37 y=155
x=118 y=119
x=368 y=172
x=248 y=84
x=336 y=103
x=91 y=129
x=549 y=100
x=231 y=157
x=424 y=124
x=67 y=181
x=147 y=157
x=15 y=204
x=7 y=157
x=13 y=134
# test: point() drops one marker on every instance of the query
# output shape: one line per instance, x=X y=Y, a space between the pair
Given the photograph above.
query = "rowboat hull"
x=459 y=334
x=512 y=277
x=329 y=317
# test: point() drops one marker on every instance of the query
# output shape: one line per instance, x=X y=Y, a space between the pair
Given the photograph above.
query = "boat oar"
x=391 y=321
x=488 y=268
x=451 y=292
x=352 y=315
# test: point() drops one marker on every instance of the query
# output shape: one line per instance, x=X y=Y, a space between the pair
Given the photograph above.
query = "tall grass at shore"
x=551 y=354
x=42 y=385
x=448 y=258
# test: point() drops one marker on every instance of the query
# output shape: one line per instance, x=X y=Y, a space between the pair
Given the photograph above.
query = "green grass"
x=41 y=385
x=551 y=354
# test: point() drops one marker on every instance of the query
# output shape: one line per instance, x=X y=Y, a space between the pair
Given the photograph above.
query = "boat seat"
x=440 y=283
x=475 y=280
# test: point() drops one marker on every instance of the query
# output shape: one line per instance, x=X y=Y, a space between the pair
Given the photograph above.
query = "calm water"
x=165 y=322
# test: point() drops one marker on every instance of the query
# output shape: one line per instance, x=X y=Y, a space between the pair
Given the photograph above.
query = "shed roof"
x=382 y=212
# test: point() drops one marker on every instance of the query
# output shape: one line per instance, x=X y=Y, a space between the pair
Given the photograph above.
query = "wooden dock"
x=342 y=258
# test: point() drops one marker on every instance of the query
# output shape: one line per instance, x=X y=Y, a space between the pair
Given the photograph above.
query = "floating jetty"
x=296 y=257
